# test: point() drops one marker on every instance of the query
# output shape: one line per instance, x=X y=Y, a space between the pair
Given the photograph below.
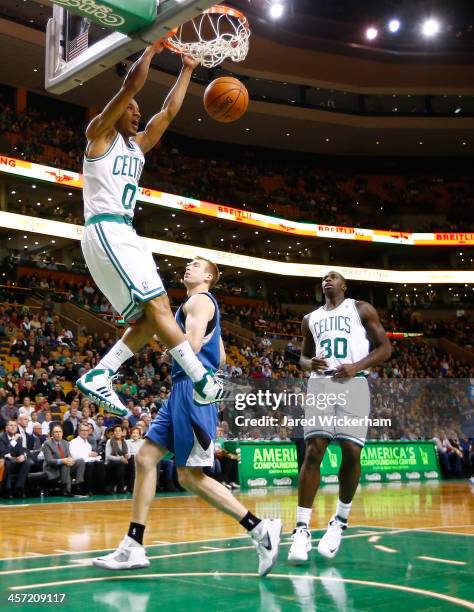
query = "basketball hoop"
x=217 y=34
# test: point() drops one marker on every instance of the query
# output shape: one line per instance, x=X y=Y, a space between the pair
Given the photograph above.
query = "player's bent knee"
x=350 y=451
x=189 y=477
x=149 y=456
x=315 y=450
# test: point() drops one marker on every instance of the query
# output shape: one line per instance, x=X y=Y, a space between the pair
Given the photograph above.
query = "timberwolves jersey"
x=111 y=180
x=339 y=336
x=209 y=355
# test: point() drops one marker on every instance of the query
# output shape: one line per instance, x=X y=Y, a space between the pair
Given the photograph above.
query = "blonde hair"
x=212 y=269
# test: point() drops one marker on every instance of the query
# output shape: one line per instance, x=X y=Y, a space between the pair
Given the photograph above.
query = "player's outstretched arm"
x=199 y=310
x=133 y=83
x=159 y=123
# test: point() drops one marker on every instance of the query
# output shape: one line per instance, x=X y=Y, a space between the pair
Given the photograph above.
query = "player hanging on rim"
x=341 y=341
x=119 y=261
x=188 y=430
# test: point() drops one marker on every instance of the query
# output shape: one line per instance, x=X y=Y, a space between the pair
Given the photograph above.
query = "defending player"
x=119 y=261
x=341 y=341
x=188 y=430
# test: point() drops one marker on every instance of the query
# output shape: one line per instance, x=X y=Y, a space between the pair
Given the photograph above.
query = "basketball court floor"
x=407 y=545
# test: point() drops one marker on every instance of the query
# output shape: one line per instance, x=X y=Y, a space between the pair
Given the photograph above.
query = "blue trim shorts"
x=186 y=428
x=337 y=410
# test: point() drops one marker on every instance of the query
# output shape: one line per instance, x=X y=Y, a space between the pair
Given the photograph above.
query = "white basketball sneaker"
x=267 y=542
x=331 y=540
x=209 y=389
x=97 y=384
x=129 y=555
x=301 y=546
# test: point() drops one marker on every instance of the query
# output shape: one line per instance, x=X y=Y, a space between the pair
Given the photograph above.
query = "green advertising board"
x=275 y=463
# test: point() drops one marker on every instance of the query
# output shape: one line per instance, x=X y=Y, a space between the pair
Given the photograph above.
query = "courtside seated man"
x=119 y=261
x=341 y=341
x=188 y=430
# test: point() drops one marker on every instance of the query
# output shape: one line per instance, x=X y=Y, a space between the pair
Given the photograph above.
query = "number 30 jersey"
x=111 y=180
x=339 y=335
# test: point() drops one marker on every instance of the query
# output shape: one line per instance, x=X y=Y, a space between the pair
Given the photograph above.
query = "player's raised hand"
x=190 y=62
x=159 y=45
x=318 y=364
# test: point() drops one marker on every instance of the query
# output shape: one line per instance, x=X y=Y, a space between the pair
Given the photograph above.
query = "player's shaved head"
x=333 y=284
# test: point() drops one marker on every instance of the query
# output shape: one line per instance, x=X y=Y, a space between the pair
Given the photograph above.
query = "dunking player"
x=188 y=430
x=341 y=340
x=119 y=261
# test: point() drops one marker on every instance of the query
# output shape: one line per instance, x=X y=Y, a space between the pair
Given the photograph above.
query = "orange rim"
x=217 y=9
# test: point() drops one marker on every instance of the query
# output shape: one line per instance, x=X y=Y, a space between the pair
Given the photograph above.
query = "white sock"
x=185 y=356
x=117 y=355
x=342 y=509
x=303 y=516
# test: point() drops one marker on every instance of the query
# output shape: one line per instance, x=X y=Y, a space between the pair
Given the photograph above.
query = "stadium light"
x=371 y=33
x=430 y=27
x=276 y=10
x=394 y=25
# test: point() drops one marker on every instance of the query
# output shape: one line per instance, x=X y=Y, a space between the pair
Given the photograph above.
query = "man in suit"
x=36 y=454
x=72 y=418
x=58 y=462
x=26 y=438
x=16 y=460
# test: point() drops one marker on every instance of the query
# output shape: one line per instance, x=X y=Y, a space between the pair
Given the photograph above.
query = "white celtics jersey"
x=111 y=180
x=339 y=335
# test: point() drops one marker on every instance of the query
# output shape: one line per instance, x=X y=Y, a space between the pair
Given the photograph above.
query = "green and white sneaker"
x=209 y=389
x=97 y=384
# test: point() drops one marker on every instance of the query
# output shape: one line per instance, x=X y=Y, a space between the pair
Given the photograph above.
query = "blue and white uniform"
x=120 y=262
x=184 y=427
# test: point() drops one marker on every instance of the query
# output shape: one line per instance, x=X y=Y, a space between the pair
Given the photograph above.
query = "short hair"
x=212 y=269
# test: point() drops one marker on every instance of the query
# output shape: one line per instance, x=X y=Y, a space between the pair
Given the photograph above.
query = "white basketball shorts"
x=122 y=266
x=337 y=410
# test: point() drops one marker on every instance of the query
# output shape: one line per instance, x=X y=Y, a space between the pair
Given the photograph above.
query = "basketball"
x=226 y=99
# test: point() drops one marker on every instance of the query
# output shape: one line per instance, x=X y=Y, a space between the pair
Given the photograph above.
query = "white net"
x=217 y=34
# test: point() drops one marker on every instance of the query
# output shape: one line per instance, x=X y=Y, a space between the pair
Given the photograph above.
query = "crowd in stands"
x=422 y=389
x=302 y=189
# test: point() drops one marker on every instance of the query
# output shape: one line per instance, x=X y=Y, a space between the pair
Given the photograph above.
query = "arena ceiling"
x=316 y=128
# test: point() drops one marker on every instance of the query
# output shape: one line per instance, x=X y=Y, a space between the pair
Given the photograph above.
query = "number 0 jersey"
x=111 y=180
x=339 y=335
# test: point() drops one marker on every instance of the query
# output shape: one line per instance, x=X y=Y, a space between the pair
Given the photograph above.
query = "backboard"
x=77 y=50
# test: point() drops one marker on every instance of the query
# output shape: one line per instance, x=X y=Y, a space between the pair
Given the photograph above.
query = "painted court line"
x=456 y=533
x=169 y=555
x=385 y=548
x=435 y=529
x=98 y=550
x=383 y=585
x=437 y=560
x=374 y=538
x=211 y=548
